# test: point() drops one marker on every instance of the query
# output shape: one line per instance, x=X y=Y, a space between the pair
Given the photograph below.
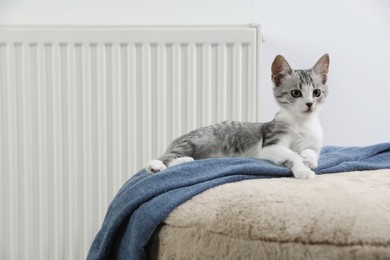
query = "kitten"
x=292 y=139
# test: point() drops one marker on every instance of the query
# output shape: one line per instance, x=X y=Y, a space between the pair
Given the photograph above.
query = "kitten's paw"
x=155 y=166
x=180 y=160
x=304 y=173
x=309 y=158
x=310 y=162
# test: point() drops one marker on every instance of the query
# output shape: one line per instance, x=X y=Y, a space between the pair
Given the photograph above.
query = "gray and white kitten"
x=292 y=139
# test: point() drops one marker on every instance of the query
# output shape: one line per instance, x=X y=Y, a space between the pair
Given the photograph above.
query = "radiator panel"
x=84 y=108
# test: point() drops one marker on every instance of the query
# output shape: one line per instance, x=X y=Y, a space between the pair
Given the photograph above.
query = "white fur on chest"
x=303 y=133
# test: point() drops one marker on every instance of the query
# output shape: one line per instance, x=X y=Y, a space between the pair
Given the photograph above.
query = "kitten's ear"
x=321 y=67
x=280 y=69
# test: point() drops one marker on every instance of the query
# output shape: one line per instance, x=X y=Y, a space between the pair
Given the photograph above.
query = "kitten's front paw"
x=310 y=162
x=309 y=158
x=304 y=173
x=155 y=166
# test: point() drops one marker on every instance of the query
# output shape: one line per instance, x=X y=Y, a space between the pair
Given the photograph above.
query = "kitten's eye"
x=317 y=92
x=296 y=93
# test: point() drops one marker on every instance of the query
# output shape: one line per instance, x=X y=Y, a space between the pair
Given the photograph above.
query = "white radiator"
x=83 y=108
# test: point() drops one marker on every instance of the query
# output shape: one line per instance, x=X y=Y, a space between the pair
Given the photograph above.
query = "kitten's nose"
x=309 y=105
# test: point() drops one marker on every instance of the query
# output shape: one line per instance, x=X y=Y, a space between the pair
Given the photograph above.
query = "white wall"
x=356 y=34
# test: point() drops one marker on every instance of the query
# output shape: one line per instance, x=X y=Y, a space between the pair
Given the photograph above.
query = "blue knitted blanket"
x=145 y=199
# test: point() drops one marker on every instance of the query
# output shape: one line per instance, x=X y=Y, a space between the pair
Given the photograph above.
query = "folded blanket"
x=146 y=199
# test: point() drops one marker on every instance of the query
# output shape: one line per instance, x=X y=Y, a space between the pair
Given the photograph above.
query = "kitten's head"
x=300 y=91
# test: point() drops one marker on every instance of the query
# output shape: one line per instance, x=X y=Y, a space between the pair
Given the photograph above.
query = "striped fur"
x=292 y=139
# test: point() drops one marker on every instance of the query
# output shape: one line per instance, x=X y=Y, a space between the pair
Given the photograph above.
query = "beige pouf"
x=335 y=216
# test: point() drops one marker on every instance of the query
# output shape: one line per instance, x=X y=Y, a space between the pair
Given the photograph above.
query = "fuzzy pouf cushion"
x=335 y=216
